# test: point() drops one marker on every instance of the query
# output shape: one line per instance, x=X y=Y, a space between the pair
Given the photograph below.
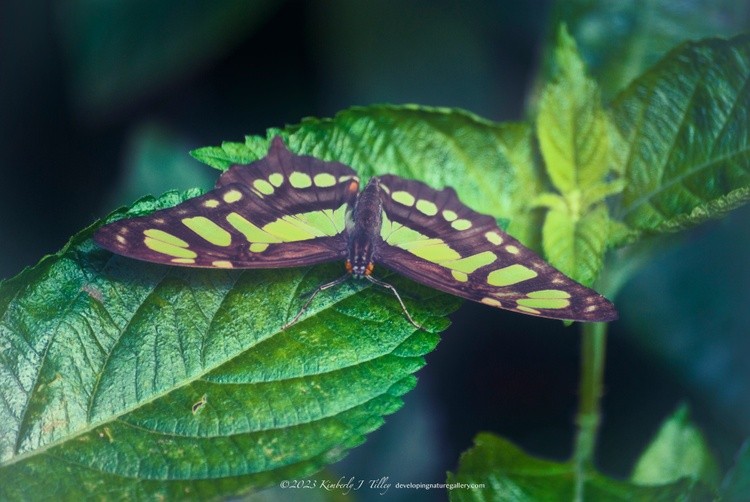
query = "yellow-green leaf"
x=576 y=245
x=572 y=126
x=679 y=450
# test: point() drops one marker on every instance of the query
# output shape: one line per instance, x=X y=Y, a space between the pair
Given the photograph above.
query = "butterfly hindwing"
x=283 y=210
x=431 y=237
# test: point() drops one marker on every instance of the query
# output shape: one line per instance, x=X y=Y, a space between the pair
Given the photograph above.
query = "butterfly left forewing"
x=431 y=237
x=284 y=210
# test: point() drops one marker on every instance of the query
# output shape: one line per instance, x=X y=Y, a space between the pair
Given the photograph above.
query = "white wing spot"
x=403 y=197
x=461 y=224
x=426 y=207
x=590 y=308
x=459 y=276
x=211 y=203
x=528 y=310
x=121 y=239
x=276 y=179
x=491 y=302
x=263 y=186
x=494 y=238
x=232 y=196
x=184 y=261
x=324 y=180
x=300 y=180
x=449 y=215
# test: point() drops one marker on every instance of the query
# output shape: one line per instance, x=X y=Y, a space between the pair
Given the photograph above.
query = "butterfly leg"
x=320 y=288
x=398 y=297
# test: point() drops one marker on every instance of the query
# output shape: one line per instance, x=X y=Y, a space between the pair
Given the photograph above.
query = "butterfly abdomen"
x=367 y=215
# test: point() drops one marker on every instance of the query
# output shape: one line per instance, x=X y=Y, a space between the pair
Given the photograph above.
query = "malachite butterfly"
x=287 y=210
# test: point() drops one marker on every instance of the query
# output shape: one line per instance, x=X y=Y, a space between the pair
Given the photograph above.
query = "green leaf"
x=576 y=245
x=736 y=484
x=159 y=380
x=619 y=40
x=574 y=138
x=143 y=381
x=509 y=474
x=490 y=165
x=685 y=126
x=678 y=450
x=572 y=125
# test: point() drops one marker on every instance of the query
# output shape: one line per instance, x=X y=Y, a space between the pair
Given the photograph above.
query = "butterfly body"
x=287 y=210
x=363 y=235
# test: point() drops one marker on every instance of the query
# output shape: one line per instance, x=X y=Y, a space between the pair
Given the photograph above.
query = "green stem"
x=593 y=350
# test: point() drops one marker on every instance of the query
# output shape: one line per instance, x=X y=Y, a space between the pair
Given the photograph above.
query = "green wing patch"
x=431 y=237
x=284 y=210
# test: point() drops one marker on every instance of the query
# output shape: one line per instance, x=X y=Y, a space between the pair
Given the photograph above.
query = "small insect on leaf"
x=287 y=210
x=198 y=405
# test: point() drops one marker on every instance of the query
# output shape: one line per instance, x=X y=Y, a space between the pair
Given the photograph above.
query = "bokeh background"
x=100 y=102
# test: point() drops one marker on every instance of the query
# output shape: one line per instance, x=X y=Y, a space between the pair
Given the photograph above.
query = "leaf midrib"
x=699 y=167
x=196 y=377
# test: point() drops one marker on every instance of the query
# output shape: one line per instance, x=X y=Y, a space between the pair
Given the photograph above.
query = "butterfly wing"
x=431 y=237
x=284 y=210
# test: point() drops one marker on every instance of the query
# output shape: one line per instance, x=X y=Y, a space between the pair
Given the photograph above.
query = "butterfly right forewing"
x=284 y=210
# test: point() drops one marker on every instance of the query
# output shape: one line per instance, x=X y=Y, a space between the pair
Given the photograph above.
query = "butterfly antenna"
x=320 y=288
x=398 y=297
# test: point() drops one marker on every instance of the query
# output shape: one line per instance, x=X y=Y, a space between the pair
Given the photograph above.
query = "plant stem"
x=593 y=350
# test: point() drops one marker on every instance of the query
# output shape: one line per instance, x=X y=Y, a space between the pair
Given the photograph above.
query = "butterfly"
x=288 y=210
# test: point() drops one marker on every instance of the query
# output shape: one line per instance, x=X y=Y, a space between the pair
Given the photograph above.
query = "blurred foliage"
x=702 y=284
x=736 y=484
x=509 y=474
x=127 y=66
x=156 y=161
x=118 y=51
x=678 y=451
x=619 y=40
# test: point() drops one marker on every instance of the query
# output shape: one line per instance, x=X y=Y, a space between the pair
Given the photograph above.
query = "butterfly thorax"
x=366 y=218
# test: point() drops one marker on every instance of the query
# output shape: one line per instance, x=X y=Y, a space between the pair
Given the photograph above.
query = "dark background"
x=99 y=105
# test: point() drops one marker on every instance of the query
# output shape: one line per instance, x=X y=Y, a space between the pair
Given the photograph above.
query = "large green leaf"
x=619 y=40
x=685 y=125
x=509 y=474
x=490 y=165
x=144 y=380
x=140 y=380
